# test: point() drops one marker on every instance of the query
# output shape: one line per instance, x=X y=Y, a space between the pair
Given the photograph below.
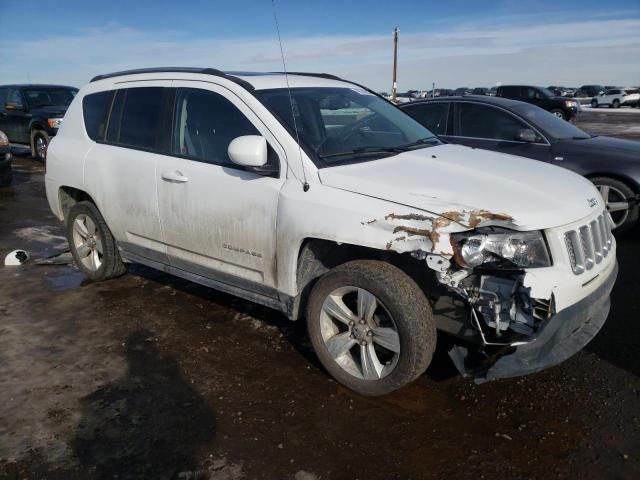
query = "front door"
x=218 y=219
x=485 y=126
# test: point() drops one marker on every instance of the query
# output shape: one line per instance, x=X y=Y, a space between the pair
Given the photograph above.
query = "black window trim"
x=166 y=125
x=517 y=117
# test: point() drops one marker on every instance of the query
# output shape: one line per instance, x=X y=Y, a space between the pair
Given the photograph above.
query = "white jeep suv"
x=320 y=199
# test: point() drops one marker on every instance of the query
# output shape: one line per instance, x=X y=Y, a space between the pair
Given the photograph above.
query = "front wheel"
x=616 y=103
x=619 y=201
x=559 y=113
x=39 y=144
x=92 y=245
x=371 y=326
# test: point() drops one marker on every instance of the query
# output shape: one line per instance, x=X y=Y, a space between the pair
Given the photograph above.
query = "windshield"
x=47 y=97
x=553 y=126
x=341 y=125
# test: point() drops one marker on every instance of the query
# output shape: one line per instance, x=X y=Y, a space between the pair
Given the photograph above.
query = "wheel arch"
x=316 y=256
x=628 y=181
x=69 y=196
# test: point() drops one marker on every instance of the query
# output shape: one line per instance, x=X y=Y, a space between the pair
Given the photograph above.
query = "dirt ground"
x=149 y=376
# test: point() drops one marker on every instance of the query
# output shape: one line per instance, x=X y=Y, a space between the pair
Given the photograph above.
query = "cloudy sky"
x=453 y=43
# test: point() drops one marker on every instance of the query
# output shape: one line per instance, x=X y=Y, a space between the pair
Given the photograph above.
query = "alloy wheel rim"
x=41 y=147
x=616 y=204
x=359 y=333
x=558 y=114
x=87 y=242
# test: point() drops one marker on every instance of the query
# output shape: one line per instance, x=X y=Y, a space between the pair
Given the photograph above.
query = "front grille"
x=589 y=244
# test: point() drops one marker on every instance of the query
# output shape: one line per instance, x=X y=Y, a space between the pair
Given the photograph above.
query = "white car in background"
x=617 y=97
x=316 y=197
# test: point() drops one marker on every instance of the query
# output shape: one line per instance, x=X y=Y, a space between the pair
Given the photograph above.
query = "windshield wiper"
x=396 y=149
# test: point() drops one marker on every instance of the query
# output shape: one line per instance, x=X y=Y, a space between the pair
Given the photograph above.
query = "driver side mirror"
x=527 y=135
x=13 y=106
x=250 y=151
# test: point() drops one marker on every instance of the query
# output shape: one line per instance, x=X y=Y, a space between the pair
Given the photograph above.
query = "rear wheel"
x=39 y=143
x=619 y=201
x=616 y=103
x=594 y=103
x=371 y=326
x=559 y=113
x=92 y=244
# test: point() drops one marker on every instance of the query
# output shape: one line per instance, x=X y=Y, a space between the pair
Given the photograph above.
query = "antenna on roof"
x=305 y=185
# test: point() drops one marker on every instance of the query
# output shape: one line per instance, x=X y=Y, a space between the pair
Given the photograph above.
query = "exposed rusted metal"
x=477 y=216
x=408 y=216
x=432 y=235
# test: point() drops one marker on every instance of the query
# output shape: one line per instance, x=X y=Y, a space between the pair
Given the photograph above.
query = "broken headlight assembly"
x=501 y=248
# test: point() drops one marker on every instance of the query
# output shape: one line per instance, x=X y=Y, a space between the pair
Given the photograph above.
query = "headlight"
x=503 y=250
x=54 y=122
x=4 y=141
x=570 y=103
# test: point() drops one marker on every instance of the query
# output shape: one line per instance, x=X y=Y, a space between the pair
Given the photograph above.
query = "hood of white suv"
x=453 y=178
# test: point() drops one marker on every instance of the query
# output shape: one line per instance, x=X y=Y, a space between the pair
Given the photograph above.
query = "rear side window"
x=135 y=117
x=432 y=115
x=205 y=125
x=95 y=109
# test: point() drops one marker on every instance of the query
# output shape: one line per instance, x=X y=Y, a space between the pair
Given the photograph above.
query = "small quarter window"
x=95 y=109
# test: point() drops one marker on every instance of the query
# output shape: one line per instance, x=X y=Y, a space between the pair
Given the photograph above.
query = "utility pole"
x=394 y=88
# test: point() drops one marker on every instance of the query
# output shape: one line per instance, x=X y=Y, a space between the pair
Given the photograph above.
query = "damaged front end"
x=505 y=312
x=517 y=333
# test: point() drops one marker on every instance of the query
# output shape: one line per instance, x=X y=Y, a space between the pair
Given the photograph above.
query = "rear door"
x=121 y=168
x=492 y=128
x=218 y=219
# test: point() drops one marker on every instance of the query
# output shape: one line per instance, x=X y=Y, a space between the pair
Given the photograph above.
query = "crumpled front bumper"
x=563 y=335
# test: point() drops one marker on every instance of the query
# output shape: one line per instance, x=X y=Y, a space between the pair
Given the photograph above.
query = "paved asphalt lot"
x=149 y=376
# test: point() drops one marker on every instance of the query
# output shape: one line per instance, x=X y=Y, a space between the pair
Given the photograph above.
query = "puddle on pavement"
x=69 y=279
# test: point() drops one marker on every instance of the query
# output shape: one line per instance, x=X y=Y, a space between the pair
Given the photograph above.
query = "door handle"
x=174 y=176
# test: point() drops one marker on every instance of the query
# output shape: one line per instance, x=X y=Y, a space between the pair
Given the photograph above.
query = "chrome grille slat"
x=588 y=244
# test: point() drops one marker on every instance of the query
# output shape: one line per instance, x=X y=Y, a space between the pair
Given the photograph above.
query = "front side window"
x=342 y=124
x=431 y=115
x=483 y=121
x=95 y=109
x=49 y=96
x=205 y=125
x=135 y=117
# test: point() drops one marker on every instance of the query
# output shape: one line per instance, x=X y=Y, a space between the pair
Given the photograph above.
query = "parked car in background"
x=32 y=114
x=588 y=91
x=519 y=128
x=6 y=173
x=543 y=98
x=492 y=91
x=562 y=91
x=462 y=91
x=480 y=91
x=363 y=228
x=616 y=97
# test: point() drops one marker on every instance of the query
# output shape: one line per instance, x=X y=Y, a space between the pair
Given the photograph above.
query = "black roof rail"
x=328 y=76
x=204 y=71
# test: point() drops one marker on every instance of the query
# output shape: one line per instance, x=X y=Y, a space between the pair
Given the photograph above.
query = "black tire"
x=594 y=103
x=405 y=303
x=36 y=137
x=616 y=103
x=112 y=265
x=629 y=195
x=6 y=177
x=559 y=113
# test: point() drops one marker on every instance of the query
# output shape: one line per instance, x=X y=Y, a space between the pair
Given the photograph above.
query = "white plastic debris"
x=15 y=258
